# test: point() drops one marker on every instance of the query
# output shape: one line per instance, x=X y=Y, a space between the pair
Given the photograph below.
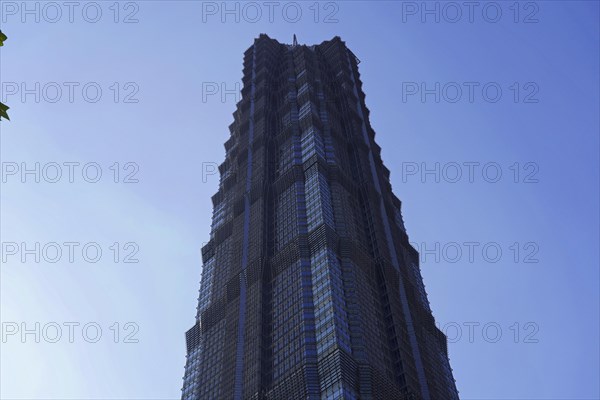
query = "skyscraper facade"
x=310 y=288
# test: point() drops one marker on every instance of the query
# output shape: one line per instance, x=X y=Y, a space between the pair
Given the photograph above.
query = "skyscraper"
x=310 y=288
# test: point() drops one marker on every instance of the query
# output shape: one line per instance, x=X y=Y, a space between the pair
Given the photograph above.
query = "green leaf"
x=3 y=108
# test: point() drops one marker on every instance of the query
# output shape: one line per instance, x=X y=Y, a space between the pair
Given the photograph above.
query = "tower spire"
x=295 y=40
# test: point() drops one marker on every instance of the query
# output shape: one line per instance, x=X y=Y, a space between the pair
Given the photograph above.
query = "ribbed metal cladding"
x=310 y=288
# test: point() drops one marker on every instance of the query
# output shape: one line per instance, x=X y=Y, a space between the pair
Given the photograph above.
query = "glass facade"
x=310 y=288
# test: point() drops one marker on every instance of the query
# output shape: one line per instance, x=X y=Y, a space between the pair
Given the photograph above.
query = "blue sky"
x=539 y=131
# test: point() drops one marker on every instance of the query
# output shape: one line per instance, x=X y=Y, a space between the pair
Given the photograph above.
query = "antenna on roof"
x=295 y=40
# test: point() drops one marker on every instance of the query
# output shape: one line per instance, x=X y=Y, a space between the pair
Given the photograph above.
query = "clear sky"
x=469 y=91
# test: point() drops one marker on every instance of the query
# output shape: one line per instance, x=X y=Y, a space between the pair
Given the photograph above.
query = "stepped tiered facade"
x=310 y=288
